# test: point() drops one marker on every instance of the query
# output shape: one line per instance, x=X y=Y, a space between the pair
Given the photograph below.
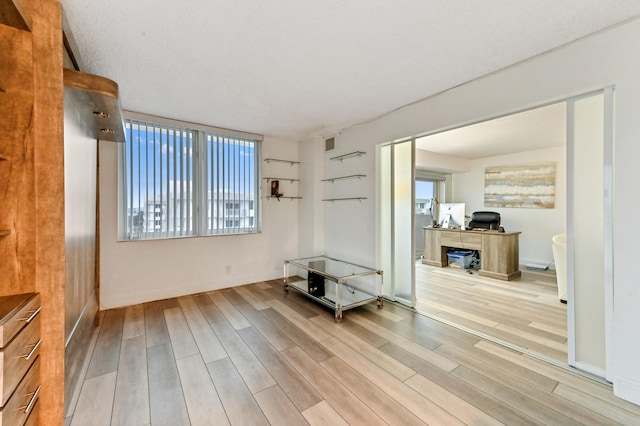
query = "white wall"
x=349 y=224
x=610 y=58
x=311 y=211
x=537 y=225
x=141 y=271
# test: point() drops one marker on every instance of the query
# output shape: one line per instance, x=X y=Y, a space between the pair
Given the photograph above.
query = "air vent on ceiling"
x=329 y=144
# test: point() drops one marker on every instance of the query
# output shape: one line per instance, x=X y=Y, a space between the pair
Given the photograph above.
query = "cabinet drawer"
x=17 y=356
x=461 y=239
x=23 y=401
x=34 y=416
x=15 y=312
x=450 y=239
x=471 y=241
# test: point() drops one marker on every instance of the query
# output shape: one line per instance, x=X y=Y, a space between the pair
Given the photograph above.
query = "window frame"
x=199 y=213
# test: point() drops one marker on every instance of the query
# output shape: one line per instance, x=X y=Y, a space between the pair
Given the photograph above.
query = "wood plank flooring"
x=524 y=312
x=254 y=355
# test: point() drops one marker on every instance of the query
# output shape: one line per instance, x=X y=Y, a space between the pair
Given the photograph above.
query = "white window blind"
x=181 y=181
x=230 y=184
x=430 y=175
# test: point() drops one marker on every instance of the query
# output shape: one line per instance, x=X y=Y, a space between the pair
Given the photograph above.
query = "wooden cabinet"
x=433 y=252
x=32 y=215
x=500 y=256
x=19 y=358
x=499 y=251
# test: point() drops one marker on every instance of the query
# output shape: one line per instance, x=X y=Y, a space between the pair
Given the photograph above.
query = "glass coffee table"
x=335 y=283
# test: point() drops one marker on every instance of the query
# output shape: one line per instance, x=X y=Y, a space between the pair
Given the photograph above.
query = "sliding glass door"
x=589 y=197
x=589 y=207
x=396 y=220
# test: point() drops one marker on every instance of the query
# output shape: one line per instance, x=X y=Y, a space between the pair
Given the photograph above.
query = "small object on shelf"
x=343 y=178
x=348 y=155
x=345 y=199
x=275 y=189
x=279 y=160
x=284 y=198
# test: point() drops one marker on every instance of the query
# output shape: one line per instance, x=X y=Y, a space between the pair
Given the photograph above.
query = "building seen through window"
x=168 y=193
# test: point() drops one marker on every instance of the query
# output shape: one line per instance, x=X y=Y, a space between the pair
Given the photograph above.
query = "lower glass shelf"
x=351 y=297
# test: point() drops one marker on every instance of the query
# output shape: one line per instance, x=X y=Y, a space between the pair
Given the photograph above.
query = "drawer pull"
x=34 y=348
x=32 y=401
x=31 y=316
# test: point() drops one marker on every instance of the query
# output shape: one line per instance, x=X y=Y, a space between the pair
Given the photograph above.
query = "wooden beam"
x=48 y=137
x=98 y=97
x=14 y=14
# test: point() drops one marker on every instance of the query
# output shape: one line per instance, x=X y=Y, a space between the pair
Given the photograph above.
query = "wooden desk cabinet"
x=499 y=251
x=19 y=361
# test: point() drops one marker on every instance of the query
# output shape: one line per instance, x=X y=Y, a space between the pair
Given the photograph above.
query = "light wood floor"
x=525 y=312
x=253 y=355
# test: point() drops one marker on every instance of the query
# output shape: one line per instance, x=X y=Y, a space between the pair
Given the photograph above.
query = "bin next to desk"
x=460 y=259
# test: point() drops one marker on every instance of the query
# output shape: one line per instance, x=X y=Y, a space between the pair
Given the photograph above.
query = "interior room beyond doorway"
x=525 y=312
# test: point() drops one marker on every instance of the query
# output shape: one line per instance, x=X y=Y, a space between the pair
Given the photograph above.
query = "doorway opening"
x=516 y=317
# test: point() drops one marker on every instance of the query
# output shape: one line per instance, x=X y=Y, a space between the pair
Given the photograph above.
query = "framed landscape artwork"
x=525 y=185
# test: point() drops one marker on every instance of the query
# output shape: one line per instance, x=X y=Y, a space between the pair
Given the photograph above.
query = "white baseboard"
x=111 y=301
x=626 y=389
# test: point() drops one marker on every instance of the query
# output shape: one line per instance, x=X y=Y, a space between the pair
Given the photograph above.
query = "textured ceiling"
x=300 y=68
x=538 y=128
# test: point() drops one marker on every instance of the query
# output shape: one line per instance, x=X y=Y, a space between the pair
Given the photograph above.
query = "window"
x=191 y=180
x=232 y=208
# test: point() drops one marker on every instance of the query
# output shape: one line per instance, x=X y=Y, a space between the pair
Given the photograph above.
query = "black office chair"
x=485 y=220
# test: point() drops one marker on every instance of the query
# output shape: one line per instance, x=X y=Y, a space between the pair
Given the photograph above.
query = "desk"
x=499 y=251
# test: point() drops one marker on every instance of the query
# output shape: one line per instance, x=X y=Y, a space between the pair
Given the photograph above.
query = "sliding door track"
x=517 y=348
